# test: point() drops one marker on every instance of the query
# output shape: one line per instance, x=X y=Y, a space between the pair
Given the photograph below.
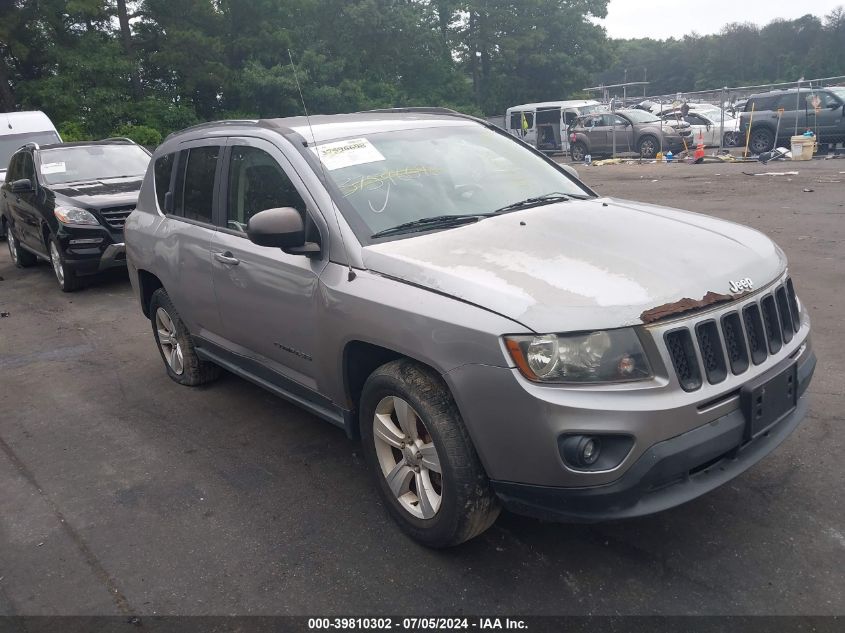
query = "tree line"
x=741 y=54
x=147 y=67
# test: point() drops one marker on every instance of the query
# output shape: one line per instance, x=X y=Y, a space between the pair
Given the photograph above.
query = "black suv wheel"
x=20 y=257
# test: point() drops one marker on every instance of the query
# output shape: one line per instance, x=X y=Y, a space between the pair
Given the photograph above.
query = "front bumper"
x=92 y=250
x=668 y=474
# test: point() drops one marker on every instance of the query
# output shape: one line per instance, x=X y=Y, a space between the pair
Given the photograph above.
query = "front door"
x=24 y=207
x=266 y=298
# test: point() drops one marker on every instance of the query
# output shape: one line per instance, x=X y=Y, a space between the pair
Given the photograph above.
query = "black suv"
x=67 y=203
x=822 y=111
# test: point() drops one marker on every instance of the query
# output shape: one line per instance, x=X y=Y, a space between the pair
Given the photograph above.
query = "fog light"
x=90 y=240
x=589 y=450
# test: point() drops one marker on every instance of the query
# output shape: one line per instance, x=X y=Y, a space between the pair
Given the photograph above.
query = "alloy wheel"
x=170 y=347
x=648 y=149
x=408 y=457
x=13 y=247
x=56 y=260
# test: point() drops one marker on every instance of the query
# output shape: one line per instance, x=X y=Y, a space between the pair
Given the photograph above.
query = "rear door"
x=267 y=299
x=187 y=241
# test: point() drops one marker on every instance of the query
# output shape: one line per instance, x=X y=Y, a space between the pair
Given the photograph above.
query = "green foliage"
x=141 y=134
x=71 y=131
x=742 y=54
x=172 y=63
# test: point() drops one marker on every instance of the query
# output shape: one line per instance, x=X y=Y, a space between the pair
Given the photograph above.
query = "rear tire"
x=20 y=257
x=420 y=453
x=577 y=152
x=762 y=141
x=174 y=342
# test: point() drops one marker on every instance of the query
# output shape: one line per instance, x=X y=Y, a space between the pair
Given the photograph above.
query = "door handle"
x=227 y=258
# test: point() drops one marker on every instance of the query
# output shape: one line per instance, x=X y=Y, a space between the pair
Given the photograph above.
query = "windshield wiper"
x=548 y=198
x=424 y=224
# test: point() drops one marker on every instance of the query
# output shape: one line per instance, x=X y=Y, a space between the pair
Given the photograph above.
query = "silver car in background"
x=494 y=332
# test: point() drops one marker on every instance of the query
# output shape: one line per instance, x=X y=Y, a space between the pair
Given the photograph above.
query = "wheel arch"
x=148 y=283
x=360 y=359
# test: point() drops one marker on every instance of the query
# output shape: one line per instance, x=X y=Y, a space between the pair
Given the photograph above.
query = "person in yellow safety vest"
x=525 y=125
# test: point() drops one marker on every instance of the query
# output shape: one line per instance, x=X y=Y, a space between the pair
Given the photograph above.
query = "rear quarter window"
x=163 y=172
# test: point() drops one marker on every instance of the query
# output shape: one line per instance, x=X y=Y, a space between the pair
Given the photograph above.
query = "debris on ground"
x=808 y=190
x=609 y=161
x=773 y=173
x=4 y=315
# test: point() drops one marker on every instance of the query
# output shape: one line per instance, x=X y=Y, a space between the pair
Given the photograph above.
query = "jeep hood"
x=584 y=265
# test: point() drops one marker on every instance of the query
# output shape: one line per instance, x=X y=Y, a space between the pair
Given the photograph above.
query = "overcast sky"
x=673 y=18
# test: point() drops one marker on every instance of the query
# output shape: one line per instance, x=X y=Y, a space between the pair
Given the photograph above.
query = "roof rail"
x=31 y=144
x=119 y=138
x=420 y=109
x=208 y=124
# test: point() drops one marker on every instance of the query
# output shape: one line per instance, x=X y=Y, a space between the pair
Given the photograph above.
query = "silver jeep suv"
x=494 y=332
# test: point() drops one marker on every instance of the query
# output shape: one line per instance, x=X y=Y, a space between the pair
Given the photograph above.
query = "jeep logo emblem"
x=741 y=286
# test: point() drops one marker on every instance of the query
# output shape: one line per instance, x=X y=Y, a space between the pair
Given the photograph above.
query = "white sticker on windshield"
x=356 y=151
x=53 y=168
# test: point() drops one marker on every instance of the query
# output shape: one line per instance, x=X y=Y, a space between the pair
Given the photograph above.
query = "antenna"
x=351 y=275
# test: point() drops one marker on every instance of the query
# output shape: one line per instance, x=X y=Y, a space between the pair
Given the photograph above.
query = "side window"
x=195 y=189
x=257 y=183
x=516 y=120
x=694 y=119
x=163 y=171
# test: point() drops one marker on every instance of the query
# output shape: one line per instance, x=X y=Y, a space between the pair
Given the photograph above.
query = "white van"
x=544 y=125
x=19 y=128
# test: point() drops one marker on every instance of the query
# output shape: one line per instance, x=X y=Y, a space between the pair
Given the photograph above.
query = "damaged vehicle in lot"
x=494 y=332
x=629 y=131
x=66 y=203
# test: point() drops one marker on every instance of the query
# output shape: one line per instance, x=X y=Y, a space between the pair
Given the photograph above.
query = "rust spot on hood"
x=684 y=305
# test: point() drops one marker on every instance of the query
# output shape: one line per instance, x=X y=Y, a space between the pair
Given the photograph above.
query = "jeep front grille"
x=115 y=217
x=736 y=340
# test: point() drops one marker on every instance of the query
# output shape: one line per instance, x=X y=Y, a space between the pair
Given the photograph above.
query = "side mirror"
x=281 y=228
x=22 y=186
x=571 y=171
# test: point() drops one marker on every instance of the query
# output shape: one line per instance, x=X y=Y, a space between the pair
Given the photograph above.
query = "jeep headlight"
x=74 y=216
x=586 y=357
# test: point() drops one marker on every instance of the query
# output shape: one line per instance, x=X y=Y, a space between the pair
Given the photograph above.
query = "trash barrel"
x=803 y=147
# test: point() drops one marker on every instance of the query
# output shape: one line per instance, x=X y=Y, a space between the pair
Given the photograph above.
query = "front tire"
x=65 y=275
x=649 y=146
x=420 y=453
x=174 y=342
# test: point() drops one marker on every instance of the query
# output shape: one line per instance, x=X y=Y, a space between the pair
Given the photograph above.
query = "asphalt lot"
x=122 y=492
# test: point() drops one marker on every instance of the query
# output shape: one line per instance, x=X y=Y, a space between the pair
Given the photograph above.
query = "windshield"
x=639 y=116
x=10 y=142
x=839 y=92
x=391 y=178
x=92 y=162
